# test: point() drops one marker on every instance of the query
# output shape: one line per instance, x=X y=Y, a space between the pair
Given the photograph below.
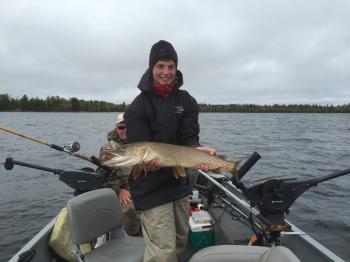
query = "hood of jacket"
x=145 y=83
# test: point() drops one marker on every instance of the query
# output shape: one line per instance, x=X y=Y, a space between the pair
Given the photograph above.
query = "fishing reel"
x=72 y=147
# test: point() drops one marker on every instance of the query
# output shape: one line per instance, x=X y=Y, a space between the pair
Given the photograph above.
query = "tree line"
x=276 y=108
x=56 y=104
x=59 y=104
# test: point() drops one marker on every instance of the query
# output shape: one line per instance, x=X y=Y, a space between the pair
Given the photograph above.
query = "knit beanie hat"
x=162 y=50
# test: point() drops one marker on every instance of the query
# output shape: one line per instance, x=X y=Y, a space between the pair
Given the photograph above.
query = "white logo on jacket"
x=179 y=109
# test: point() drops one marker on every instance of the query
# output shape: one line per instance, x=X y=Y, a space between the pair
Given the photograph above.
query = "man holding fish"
x=163 y=113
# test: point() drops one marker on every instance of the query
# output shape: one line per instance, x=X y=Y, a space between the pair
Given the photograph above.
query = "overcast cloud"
x=260 y=52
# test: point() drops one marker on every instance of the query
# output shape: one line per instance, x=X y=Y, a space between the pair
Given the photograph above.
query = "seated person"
x=116 y=138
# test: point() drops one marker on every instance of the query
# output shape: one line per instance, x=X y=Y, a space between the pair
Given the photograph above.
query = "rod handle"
x=248 y=164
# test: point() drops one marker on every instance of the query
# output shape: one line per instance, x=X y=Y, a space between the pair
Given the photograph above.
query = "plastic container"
x=201 y=217
x=201 y=235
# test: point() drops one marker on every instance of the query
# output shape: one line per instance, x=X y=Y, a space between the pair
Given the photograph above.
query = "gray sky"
x=248 y=51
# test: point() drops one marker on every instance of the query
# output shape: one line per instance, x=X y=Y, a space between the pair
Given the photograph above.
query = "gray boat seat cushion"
x=98 y=212
x=236 y=253
x=127 y=249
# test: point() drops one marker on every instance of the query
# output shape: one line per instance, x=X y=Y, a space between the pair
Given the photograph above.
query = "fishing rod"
x=71 y=148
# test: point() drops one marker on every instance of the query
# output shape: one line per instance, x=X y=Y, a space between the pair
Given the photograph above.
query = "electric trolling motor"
x=275 y=196
x=82 y=180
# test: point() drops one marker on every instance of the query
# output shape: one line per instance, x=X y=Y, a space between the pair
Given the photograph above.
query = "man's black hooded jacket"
x=172 y=120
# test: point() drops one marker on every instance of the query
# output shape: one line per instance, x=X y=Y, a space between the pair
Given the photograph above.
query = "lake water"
x=301 y=145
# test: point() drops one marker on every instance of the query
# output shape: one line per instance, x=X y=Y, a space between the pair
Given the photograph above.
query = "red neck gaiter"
x=163 y=89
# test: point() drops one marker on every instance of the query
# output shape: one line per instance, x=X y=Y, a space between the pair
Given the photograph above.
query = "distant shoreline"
x=58 y=104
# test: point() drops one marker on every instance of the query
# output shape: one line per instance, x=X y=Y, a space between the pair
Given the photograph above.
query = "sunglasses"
x=121 y=127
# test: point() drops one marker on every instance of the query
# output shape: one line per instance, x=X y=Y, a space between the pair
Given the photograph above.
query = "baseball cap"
x=120 y=118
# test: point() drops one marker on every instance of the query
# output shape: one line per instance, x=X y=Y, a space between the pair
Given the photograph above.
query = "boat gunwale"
x=35 y=240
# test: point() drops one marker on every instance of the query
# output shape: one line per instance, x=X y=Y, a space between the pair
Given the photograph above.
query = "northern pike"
x=168 y=155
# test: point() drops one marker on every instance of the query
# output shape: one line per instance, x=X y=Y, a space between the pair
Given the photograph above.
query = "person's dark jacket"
x=172 y=120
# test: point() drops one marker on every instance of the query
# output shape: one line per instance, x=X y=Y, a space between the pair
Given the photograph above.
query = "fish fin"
x=179 y=171
x=136 y=171
x=176 y=172
x=143 y=165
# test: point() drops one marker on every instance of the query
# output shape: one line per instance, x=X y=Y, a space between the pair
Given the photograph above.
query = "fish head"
x=123 y=156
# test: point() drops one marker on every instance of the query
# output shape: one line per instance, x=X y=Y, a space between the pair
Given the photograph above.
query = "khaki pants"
x=132 y=221
x=165 y=231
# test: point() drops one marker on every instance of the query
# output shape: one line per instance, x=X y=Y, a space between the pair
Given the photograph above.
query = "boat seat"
x=96 y=213
x=237 y=253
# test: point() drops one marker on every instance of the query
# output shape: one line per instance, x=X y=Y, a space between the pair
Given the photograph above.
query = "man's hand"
x=124 y=196
x=211 y=151
x=153 y=165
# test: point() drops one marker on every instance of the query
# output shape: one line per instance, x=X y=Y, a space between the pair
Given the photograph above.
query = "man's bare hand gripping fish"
x=178 y=157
